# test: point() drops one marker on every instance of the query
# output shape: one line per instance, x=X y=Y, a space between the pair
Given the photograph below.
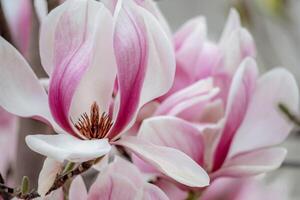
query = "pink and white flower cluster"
x=187 y=111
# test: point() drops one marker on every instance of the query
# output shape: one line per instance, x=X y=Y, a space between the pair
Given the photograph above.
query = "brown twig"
x=59 y=182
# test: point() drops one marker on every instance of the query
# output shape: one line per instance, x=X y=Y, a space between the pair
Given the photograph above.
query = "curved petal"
x=48 y=174
x=152 y=7
x=47 y=36
x=171 y=190
x=78 y=190
x=111 y=187
x=166 y=160
x=82 y=40
x=189 y=50
x=233 y=23
x=149 y=53
x=197 y=89
x=127 y=170
x=264 y=125
x=252 y=163
x=41 y=9
x=174 y=133
x=240 y=95
x=21 y=92
x=150 y=192
x=149 y=5
x=66 y=147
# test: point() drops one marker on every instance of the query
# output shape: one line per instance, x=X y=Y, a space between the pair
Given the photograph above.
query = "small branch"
x=59 y=182
x=291 y=116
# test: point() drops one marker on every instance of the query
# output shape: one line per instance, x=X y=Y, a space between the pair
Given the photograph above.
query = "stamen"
x=94 y=126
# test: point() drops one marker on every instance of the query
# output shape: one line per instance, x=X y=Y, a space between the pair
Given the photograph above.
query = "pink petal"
x=175 y=133
x=264 y=125
x=25 y=100
x=198 y=89
x=238 y=46
x=109 y=187
x=149 y=5
x=116 y=182
x=171 y=190
x=150 y=192
x=166 y=159
x=47 y=37
x=78 y=190
x=123 y=180
x=240 y=95
x=188 y=49
x=143 y=58
x=252 y=163
x=79 y=45
x=152 y=7
x=233 y=23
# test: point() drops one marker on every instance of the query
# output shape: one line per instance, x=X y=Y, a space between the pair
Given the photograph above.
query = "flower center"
x=94 y=126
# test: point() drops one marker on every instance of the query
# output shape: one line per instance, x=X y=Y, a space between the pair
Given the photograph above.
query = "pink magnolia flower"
x=220 y=113
x=102 y=69
x=240 y=143
x=197 y=57
x=8 y=141
x=120 y=180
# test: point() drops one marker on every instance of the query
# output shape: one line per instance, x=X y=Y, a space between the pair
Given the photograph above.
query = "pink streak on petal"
x=131 y=49
x=73 y=51
x=240 y=94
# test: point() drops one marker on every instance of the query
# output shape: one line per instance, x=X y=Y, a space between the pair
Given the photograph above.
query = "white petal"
x=167 y=160
x=48 y=174
x=21 y=92
x=66 y=147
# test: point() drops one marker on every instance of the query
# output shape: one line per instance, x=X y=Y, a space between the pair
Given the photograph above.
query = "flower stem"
x=59 y=182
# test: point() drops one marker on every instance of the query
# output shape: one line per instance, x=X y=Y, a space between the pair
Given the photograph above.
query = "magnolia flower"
x=197 y=57
x=102 y=69
x=120 y=180
x=8 y=141
x=243 y=141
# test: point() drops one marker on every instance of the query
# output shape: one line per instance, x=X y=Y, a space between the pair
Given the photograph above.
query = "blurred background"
x=275 y=26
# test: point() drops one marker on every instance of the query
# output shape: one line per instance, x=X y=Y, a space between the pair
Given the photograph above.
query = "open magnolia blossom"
x=243 y=141
x=103 y=66
x=198 y=57
x=223 y=115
